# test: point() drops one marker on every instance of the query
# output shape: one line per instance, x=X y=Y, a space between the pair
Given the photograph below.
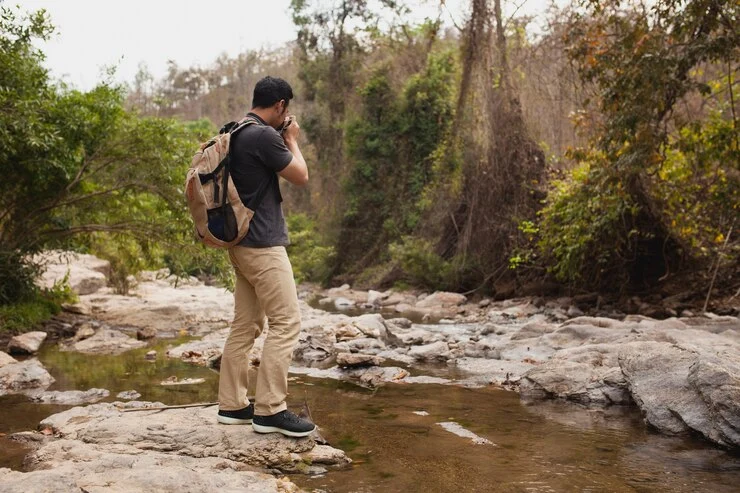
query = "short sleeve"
x=272 y=150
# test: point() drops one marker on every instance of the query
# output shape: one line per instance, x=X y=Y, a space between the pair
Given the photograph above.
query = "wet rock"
x=24 y=376
x=457 y=429
x=146 y=333
x=353 y=360
x=71 y=465
x=189 y=432
x=6 y=359
x=105 y=341
x=70 y=397
x=435 y=351
x=128 y=395
x=326 y=301
x=373 y=376
x=86 y=274
x=28 y=343
x=441 y=299
x=679 y=390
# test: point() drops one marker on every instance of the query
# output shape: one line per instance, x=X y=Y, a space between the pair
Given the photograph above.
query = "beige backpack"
x=221 y=218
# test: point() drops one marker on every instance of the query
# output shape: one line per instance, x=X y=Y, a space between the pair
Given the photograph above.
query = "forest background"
x=597 y=153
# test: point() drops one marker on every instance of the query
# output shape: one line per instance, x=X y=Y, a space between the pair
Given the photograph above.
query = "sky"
x=93 y=35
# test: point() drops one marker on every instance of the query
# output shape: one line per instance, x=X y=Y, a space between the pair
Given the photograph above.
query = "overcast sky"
x=94 y=34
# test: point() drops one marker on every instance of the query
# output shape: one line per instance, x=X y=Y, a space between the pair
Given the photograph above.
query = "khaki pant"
x=264 y=292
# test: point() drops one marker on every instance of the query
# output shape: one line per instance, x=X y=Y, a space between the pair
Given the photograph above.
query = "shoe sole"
x=273 y=429
x=225 y=420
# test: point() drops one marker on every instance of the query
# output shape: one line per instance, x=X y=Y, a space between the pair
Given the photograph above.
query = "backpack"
x=221 y=219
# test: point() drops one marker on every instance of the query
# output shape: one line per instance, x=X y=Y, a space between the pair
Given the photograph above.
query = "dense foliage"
x=602 y=152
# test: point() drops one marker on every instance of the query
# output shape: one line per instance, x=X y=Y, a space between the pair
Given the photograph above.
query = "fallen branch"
x=163 y=408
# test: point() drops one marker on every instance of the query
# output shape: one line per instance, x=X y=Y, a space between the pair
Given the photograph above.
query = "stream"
x=395 y=440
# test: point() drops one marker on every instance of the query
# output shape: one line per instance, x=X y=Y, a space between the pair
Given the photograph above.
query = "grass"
x=22 y=317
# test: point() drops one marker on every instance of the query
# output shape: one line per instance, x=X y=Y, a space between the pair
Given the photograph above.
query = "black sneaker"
x=238 y=417
x=284 y=422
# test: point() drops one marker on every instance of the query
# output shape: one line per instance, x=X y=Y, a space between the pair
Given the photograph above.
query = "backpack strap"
x=255 y=202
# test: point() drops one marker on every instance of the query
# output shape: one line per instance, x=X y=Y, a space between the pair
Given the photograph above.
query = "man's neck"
x=261 y=113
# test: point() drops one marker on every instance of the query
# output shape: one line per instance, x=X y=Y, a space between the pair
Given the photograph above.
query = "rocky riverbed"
x=682 y=372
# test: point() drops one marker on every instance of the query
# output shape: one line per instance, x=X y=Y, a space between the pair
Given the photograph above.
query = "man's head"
x=271 y=98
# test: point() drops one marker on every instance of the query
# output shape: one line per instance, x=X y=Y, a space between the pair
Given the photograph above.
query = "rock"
x=70 y=397
x=81 y=308
x=366 y=345
x=84 y=331
x=128 y=395
x=203 y=351
x=531 y=330
x=151 y=355
x=441 y=299
x=372 y=325
x=679 y=390
x=574 y=311
x=105 y=341
x=28 y=343
x=579 y=382
x=484 y=302
x=343 y=303
x=484 y=371
x=6 y=359
x=346 y=332
x=435 y=351
x=70 y=465
x=24 y=376
x=521 y=311
x=457 y=429
x=146 y=333
x=189 y=432
x=326 y=301
x=393 y=299
x=173 y=380
x=340 y=289
x=353 y=360
x=86 y=274
x=403 y=323
x=375 y=297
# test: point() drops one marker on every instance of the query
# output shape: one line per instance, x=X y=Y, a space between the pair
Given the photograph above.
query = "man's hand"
x=291 y=129
x=296 y=172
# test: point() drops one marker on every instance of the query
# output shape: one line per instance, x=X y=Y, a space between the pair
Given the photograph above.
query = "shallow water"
x=545 y=447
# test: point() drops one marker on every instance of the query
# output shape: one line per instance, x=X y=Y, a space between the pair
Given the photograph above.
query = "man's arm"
x=296 y=172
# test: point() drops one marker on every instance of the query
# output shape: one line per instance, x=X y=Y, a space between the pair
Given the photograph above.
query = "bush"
x=312 y=259
x=423 y=267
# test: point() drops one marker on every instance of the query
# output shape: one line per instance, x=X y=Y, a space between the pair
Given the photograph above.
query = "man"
x=265 y=290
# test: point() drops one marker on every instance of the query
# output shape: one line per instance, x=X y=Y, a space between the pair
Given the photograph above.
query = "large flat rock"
x=190 y=432
x=85 y=274
x=70 y=465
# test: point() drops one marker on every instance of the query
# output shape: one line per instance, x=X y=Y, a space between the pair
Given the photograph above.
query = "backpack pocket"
x=222 y=223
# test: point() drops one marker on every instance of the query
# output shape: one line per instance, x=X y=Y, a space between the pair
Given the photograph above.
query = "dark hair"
x=269 y=91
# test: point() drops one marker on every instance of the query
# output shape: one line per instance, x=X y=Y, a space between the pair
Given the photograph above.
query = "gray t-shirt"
x=258 y=153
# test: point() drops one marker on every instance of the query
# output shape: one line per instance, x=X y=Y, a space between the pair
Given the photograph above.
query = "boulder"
x=680 y=390
x=81 y=308
x=441 y=299
x=24 y=376
x=28 y=343
x=146 y=333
